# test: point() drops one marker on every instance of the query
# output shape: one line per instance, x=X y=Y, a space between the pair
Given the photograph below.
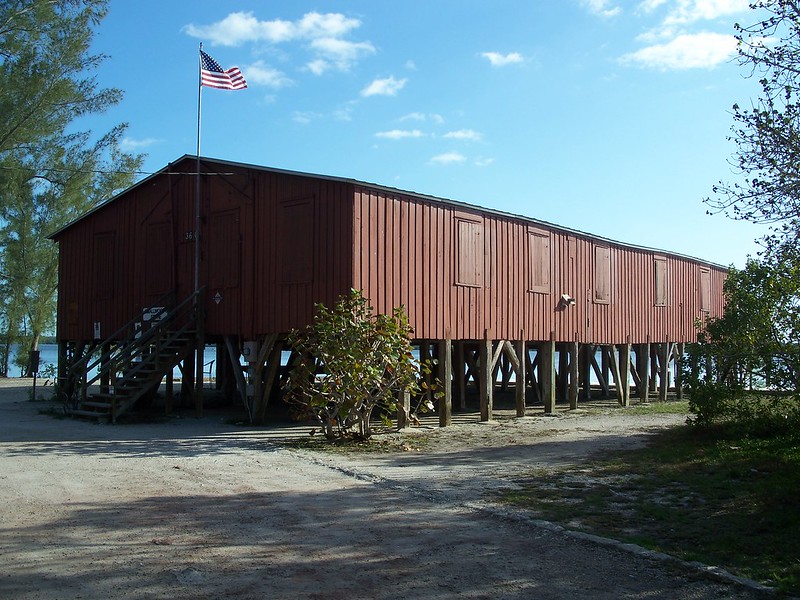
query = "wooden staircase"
x=128 y=367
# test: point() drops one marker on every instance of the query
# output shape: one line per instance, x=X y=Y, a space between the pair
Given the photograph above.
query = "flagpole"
x=197 y=176
x=197 y=393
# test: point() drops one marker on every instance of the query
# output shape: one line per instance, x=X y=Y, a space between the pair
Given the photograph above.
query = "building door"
x=223 y=273
x=158 y=263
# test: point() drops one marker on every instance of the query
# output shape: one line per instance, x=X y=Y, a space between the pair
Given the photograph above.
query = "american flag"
x=212 y=75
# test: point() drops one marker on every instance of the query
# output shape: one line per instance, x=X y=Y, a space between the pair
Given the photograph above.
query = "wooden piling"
x=446 y=377
x=547 y=376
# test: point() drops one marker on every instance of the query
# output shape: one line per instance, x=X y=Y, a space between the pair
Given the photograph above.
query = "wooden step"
x=76 y=412
x=94 y=404
x=119 y=393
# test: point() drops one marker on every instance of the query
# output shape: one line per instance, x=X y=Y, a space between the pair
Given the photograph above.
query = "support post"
x=663 y=371
x=233 y=355
x=655 y=349
x=586 y=370
x=260 y=390
x=169 y=393
x=486 y=383
x=461 y=378
x=573 y=375
x=200 y=329
x=644 y=372
x=680 y=352
x=547 y=375
x=403 y=408
x=187 y=379
x=562 y=378
x=613 y=365
x=624 y=384
x=519 y=376
x=605 y=368
x=446 y=377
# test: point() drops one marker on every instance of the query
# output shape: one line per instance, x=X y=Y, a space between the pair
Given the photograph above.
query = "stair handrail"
x=174 y=334
x=83 y=365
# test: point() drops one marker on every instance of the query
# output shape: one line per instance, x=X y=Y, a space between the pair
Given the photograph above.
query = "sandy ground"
x=201 y=508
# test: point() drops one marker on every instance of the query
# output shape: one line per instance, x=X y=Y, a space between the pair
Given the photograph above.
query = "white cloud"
x=344 y=113
x=263 y=74
x=648 y=6
x=681 y=14
x=318 y=66
x=691 y=11
x=341 y=54
x=448 y=158
x=399 y=134
x=304 y=117
x=464 y=134
x=602 y=8
x=388 y=86
x=689 y=51
x=501 y=60
x=483 y=162
x=240 y=27
x=418 y=116
x=321 y=34
x=130 y=145
x=316 y=25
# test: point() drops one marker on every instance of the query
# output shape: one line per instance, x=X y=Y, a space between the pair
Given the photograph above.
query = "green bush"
x=354 y=363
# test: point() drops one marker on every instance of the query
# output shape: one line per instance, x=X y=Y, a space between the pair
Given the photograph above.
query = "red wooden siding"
x=301 y=251
x=423 y=253
x=104 y=275
x=274 y=243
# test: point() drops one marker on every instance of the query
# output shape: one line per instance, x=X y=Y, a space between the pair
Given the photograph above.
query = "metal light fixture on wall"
x=565 y=301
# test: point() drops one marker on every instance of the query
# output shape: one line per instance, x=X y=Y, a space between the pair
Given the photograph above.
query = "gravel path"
x=196 y=508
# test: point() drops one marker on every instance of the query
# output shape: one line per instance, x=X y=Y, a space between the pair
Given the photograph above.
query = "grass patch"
x=610 y=407
x=670 y=407
x=375 y=444
x=705 y=496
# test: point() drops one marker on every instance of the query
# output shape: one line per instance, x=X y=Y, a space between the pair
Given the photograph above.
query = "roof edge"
x=391 y=190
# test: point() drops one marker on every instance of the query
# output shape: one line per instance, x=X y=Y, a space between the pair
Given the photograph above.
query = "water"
x=48 y=355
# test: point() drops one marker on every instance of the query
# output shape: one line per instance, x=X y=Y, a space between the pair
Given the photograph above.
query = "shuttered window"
x=602 y=274
x=469 y=270
x=660 y=280
x=705 y=289
x=539 y=261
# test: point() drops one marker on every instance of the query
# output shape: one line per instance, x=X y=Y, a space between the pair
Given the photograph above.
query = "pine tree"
x=49 y=173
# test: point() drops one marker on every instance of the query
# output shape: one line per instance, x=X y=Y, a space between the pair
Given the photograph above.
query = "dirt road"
x=197 y=508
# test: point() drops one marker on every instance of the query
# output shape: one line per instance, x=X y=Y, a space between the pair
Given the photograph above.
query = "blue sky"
x=605 y=116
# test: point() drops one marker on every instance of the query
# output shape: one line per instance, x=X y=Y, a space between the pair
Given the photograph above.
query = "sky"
x=608 y=117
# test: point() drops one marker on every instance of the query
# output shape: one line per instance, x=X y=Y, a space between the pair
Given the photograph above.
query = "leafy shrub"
x=354 y=362
x=744 y=372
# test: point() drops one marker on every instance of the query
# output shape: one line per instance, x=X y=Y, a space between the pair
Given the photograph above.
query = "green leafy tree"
x=746 y=366
x=354 y=363
x=77 y=178
x=50 y=171
x=758 y=337
x=46 y=70
x=767 y=132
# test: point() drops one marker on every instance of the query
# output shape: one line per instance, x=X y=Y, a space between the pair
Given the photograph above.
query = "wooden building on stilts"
x=495 y=297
